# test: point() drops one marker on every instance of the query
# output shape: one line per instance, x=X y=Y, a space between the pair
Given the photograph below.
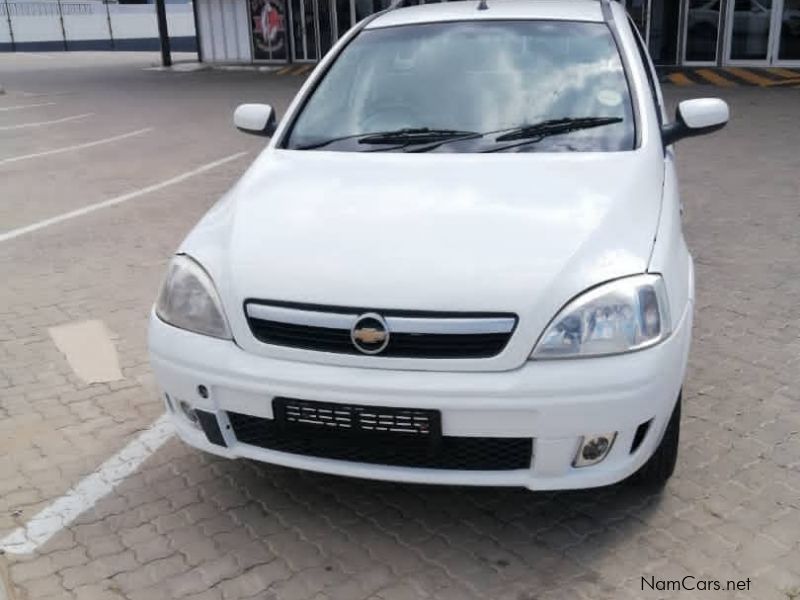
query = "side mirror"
x=696 y=117
x=256 y=119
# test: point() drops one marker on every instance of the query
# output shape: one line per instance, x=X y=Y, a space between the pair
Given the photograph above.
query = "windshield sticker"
x=609 y=97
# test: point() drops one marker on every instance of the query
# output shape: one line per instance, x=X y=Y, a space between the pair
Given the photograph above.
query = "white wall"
x=93 y=26
x=41 y=21
x=37 y=28
x=180 y=20
x=130 y=21
x=5 y=34
x=133 y=21
x=224 y=31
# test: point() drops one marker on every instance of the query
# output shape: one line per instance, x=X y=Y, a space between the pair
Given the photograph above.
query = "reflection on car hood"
x=453 y=232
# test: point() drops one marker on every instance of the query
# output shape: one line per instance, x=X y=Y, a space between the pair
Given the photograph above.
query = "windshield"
x=458 y=86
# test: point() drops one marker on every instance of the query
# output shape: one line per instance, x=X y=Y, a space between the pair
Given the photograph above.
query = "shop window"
x=365 y=8
x=663 y=40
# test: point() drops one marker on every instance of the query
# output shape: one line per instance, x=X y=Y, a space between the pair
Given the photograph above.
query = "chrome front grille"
x=411 y=334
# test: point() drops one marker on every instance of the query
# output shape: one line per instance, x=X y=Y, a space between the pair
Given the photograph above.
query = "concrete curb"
x=251 y=68
x=194 y=67
x=185 y=67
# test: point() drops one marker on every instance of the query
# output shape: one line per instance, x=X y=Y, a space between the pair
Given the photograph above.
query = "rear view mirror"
x=256 y=119
x=696 y=117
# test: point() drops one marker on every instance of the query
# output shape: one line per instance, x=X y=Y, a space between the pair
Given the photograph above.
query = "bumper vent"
x=446 y=452
x=640 y=434
x=210 y=426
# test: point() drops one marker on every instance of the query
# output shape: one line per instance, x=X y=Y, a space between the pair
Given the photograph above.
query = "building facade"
x=678 y=32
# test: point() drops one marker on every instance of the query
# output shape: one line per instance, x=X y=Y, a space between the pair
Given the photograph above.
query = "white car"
x=459 y=260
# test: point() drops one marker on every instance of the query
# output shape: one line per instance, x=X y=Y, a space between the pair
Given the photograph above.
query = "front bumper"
x=552 y=402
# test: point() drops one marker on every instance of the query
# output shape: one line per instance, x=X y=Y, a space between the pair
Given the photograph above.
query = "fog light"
x=189 y=413
x=594 y=448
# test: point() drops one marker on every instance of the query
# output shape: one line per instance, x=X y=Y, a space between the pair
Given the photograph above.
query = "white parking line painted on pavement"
x=82 y=497
x=108 y=140
x=8 y=235
x=40 y=94
x=43 y=123
x=24 y=106
x=36 y=55
x=5 y=581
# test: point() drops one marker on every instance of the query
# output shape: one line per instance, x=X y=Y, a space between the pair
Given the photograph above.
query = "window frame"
x=650 y=72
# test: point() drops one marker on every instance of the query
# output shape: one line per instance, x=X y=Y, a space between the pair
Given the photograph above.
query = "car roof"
x=467 y=10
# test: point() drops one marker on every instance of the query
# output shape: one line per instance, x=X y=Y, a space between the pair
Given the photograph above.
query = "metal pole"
x=722 y=30
x=303 y=26
x=197 y=31
x=163 y=33
x=317 y=25
x=63 y=30
x=291 y=42
x=333 y=26
x=10 y=28
x=110 y=28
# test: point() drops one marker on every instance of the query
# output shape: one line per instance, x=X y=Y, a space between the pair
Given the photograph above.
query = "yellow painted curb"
x=714 y=78
x=748 y=76
x=787 y=73
x=679 y=79
x=784 y=82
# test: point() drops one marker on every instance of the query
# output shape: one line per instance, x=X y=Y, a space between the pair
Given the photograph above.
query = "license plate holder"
x=356 y=420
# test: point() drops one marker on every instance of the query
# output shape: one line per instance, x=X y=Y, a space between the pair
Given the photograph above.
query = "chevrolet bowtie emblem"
x=370 y=334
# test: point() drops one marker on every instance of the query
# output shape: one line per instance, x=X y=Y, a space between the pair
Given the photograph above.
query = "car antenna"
x=482 y=5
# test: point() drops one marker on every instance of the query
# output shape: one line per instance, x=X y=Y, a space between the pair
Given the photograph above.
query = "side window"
x=655 y=88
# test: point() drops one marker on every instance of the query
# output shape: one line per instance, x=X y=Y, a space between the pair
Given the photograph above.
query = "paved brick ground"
x=191 y=526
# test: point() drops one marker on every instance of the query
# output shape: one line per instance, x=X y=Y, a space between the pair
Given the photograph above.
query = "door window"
x=750 y=31
x=663 y=39
x=790 y=31
x=702 y=30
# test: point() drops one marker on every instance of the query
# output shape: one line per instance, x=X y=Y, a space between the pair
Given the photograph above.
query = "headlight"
x=619 y=316
x=189 y=300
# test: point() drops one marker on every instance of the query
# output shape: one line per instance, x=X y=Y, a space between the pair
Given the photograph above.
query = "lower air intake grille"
x=447 y=452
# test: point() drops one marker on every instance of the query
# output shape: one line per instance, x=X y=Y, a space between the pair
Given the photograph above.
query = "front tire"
x=659 y=468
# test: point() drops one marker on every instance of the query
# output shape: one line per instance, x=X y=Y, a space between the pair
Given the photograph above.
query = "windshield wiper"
x=553 y=126
x=417 y=135
x=529 y=134
x=401 y=137
x=431 y=138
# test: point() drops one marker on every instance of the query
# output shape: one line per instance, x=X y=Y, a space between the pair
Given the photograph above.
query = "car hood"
x=520 y=233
